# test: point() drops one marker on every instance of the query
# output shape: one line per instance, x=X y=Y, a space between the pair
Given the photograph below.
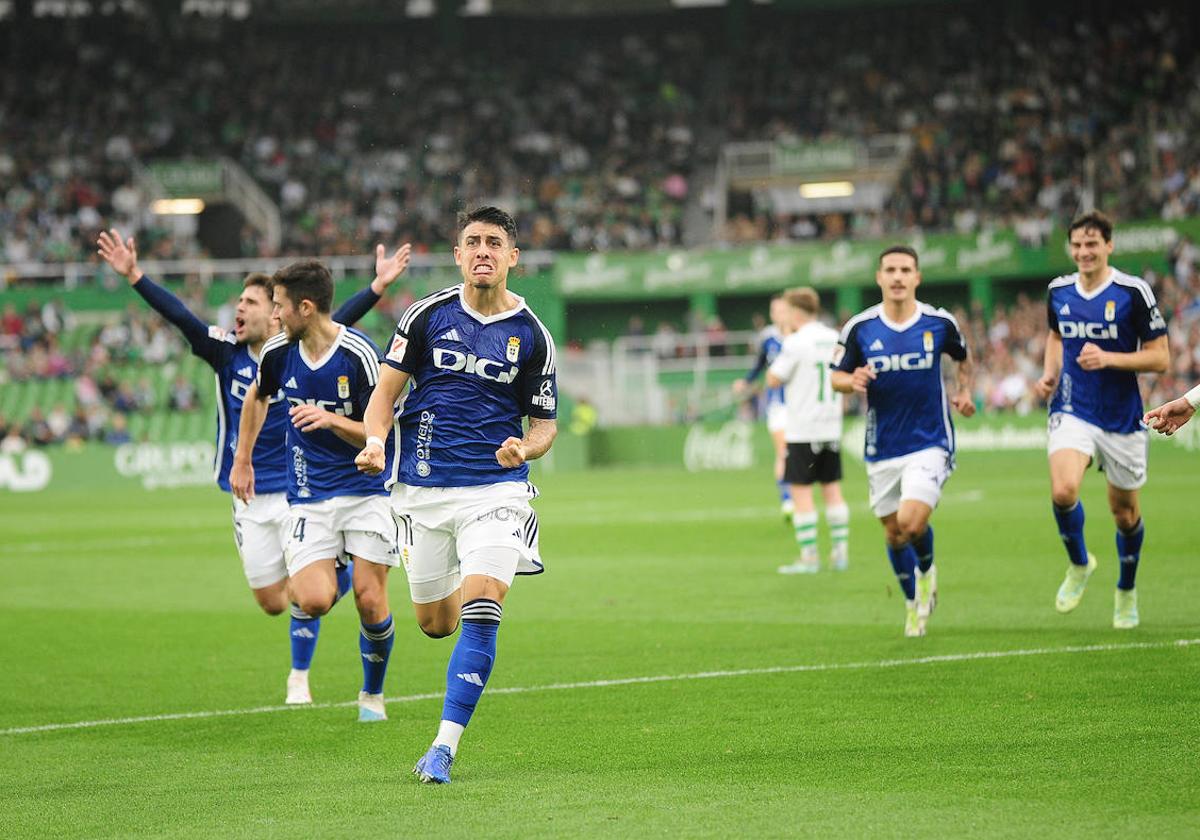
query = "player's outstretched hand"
x=861 y=378
x=1169 y=417
x=1045 y=386
x=387 y=269
x=371 y=460
x=964 y=404
x=1091 y=357
x=309 y=418
x=241 y=481
x=120 y=254
x=511 y=453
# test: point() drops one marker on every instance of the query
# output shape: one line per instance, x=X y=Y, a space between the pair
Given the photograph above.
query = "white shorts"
x=446 y=534
x=260 y=529
x=776 y=417
x=1122 y=457
x=918 y=476
x=361 y=526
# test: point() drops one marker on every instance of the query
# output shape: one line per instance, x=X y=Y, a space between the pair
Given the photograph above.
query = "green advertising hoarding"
x=944 y=258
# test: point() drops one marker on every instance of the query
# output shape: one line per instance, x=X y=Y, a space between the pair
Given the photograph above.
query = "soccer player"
x=813 y=431
x=258 y=526
x=326 y=372
x=1171 y=416
x=770 y=341
x=1105 y=328
x=478 y=360
x=892 y=354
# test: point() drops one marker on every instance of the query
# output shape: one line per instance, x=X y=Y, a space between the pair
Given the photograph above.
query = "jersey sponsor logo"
x=513 y=351
x=217 y=333
x=343 y=410
x=901 y=361
x=300 y=471
x=343 y=385
x=488 y=369
x=1157 y=322
x=395 y=353
x=927 y=340
x=876 y=345
x=1086 y=329
x=424 y=442
x=544 y=399
x=451 y=335
x=1110 y=310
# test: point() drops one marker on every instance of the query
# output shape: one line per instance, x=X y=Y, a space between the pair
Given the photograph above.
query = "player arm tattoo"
x=539 y=437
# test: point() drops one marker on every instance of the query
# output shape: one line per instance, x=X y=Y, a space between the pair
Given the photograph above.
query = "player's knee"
x=437 y=627
x=1064 y=495
x=370 y=600
x=271 y=608
x=315 y=605
x=1125 y=516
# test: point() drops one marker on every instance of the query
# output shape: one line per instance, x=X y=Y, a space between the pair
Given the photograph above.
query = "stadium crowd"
x=597 y=137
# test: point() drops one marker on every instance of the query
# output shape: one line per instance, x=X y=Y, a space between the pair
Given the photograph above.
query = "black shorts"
x=809 y=463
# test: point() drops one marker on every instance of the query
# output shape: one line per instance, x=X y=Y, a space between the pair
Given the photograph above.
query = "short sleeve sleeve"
x=539 y=397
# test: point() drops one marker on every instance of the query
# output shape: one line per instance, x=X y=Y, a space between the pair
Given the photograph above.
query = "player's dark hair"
x=259 y=279
x=901 y=249
x=804 y=298
x=306 y=280
x=492 y=216
x=1092 y=220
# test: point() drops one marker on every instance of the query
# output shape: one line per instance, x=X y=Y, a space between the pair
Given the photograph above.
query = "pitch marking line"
x=702 y=675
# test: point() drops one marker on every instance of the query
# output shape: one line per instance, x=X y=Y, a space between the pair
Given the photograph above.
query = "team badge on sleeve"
x=514 y=348
x=395 y=353
x=927 y=337
x=343 y=387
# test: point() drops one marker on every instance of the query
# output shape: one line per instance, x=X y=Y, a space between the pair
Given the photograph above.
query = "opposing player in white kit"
x=259 y=526
x=326 y=372
x=813 y=431
x=1105 y=328
x=770 y=341
x=478 y=360
x=892 y=353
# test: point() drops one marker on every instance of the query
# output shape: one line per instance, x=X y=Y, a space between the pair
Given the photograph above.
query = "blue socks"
x=923 y=545
x=345 y=579
x=472 y=659
x=785 y=490
x=1129 y=551
x=375 y=643
x=904 y=561
x=1070 y=528
x=304 y=631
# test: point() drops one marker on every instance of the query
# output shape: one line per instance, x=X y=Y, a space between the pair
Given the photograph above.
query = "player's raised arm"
x=377 y=419
x=387 y=270
x=254 y=414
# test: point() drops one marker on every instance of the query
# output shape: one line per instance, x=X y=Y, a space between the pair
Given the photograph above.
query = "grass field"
x=788 y=706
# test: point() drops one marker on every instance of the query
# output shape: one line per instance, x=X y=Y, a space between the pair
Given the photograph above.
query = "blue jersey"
x=907 y=408
x=320 y=465
x=1119 y=317
x=770 y=342
x=473 y=378
x=235 y=368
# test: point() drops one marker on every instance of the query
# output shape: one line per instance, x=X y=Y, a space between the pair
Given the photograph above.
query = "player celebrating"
x=326 y=372
x=478 y=360
x=770 y=341
x=892 y=353
x=813 y=430
x=1105 y=328
x=259 y=524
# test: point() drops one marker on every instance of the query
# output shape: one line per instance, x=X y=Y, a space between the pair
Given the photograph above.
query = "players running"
x=258 y=525
x=813 y=431
x=892 y=354
x=1105 y=328
x=478 y=360
x=326 y=372
x=770 y=341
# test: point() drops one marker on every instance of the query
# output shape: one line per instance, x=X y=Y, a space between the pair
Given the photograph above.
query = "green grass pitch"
x=790 y=706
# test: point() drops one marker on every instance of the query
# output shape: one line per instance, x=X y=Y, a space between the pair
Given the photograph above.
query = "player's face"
x=781 y=314
x=1089 y=251
x=898 y=277
x=484 y=255
x=289 y=314
x=253 y=321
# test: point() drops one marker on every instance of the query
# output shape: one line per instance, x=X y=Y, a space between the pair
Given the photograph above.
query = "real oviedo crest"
x=513 y=352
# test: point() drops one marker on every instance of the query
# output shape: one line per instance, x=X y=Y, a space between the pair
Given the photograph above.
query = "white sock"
x=448 y=733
